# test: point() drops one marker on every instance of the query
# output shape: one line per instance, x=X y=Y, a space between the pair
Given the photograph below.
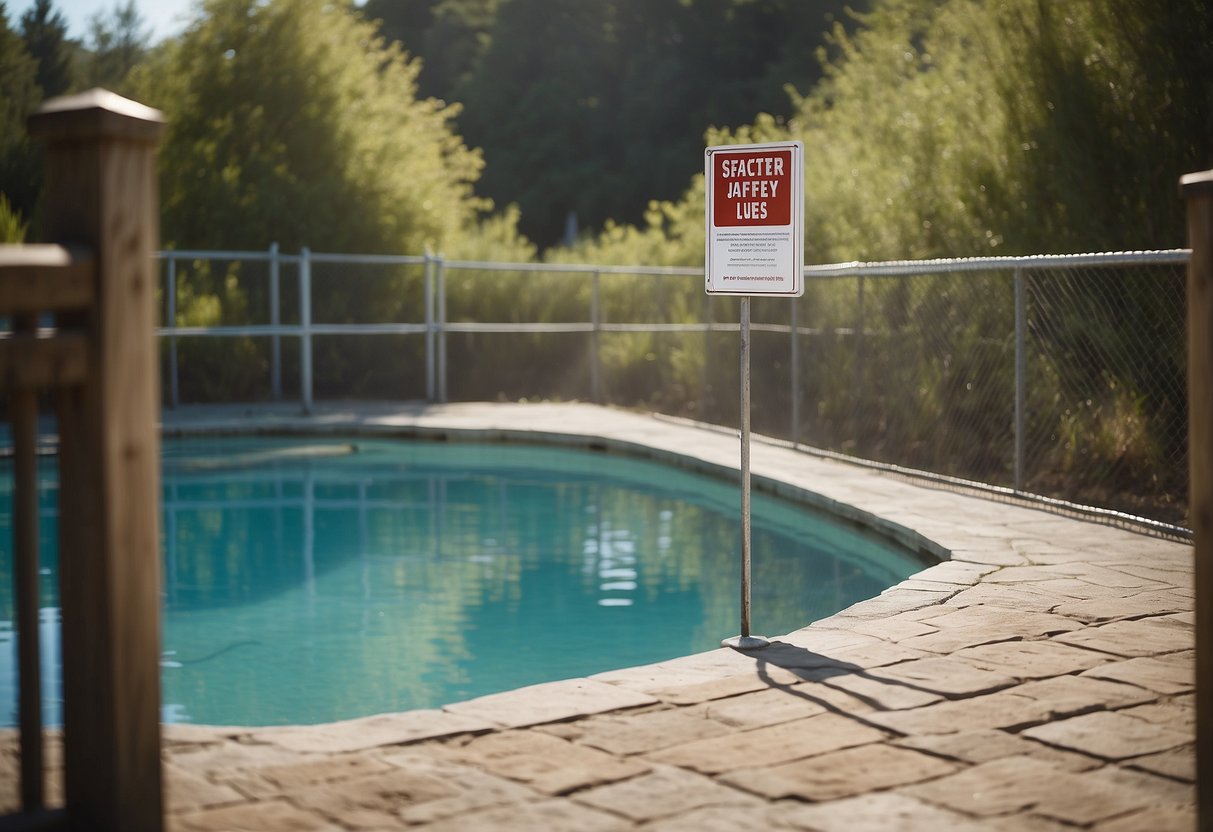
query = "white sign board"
x=755 y=219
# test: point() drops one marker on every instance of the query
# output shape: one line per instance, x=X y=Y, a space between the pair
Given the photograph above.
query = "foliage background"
x=479 y=128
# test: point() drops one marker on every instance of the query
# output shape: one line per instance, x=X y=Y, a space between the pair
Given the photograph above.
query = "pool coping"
x=1044 y=663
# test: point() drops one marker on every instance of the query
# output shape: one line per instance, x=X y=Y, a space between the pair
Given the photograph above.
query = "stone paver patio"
x=1040 y=677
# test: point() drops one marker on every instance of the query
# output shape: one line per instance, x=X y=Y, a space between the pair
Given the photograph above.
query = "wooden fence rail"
x=83 y=336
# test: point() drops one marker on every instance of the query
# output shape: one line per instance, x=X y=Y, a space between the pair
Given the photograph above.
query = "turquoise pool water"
x=315 y=580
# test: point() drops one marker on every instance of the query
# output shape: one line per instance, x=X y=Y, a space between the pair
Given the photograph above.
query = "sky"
x=163 y=17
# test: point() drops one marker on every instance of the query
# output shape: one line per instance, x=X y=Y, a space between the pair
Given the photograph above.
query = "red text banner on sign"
x=752 y=188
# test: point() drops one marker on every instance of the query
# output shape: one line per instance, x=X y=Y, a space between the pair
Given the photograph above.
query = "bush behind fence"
x=1057 y=376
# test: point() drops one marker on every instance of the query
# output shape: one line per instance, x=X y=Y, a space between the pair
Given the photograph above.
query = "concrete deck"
x=1040 y=678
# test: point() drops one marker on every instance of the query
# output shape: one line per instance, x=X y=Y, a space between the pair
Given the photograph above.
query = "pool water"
x=310 y=580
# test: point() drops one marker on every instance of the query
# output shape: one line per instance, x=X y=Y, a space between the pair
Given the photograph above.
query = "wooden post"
x=100 y=191
x=1197 y=189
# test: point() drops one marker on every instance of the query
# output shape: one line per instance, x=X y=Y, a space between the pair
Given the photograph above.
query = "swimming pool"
x=310 y=580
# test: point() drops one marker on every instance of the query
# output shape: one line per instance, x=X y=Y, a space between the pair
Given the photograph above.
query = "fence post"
x=1021 y=367
x=441 y=324
x=431 y=389
x=857 y=401
x=1197 y=189
x=275 y=321
x=170 y=302
x=596 y=319
x=305 y=327
x=795 y=370
x=702 y=414
x=23 y=414
x=100 y=191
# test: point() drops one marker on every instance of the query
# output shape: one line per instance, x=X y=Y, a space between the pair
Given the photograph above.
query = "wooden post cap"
x=96 y=114
x=1192 y=184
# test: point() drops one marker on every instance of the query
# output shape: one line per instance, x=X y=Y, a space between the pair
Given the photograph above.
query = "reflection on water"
x=314 y=580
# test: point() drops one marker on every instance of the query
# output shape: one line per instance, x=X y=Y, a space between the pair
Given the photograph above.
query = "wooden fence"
x=82 y=343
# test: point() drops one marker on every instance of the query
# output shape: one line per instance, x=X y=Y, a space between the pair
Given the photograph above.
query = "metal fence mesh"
x=1107 y=389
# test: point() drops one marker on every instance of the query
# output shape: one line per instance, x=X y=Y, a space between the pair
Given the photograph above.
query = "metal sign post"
x=754 y=246
x=745 y=641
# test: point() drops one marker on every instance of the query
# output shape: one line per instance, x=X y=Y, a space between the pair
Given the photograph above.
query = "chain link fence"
x=1059 y=376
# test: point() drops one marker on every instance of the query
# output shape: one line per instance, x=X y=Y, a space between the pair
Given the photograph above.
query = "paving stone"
x=1171 y=673
x=1176 y=763
x=895 y=628
x=931 y=586
x=990 y=556
x=685 y=671
x=1178 y=573
x=1112 y=736
x=815 y=641
x=1143 y=637
x=885 y=605
x=1095 y=610
x=984 y=624
x=830 y=697
x=549 y=702
x=877 y=692
x=271 y=781
x=945 y=676
x=262 y=816
x=1176 y=712
x=768 y=707
x=1073 y=695
x=663 y=792
x=843 y=773
x=783 y=654
x=881 y=812
x=641 y=733
x=1020 y=596
x=186 y=790
x=1022 y=784
x=983 y=746
x=1024 y=660
x=544 y=762
x=955 y=572
x=471 y=789
x=770 y=746
x=1024 y=823
x=372 y=731
x=1154 y=819
x=1027 y=574
x=1143 y=787
x=721 y=819
x=994 y=710
x=766 y=676
x=1100 y=575
x=174 y=734
x=529 y=817
x=375 y=801
x=230 y=759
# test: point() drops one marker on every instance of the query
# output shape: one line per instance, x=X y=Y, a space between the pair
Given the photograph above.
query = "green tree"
x=118 y=42
x=596 y=108
x=44 y=31
x=20 y=162
x=290 y=120
x=448 y=35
